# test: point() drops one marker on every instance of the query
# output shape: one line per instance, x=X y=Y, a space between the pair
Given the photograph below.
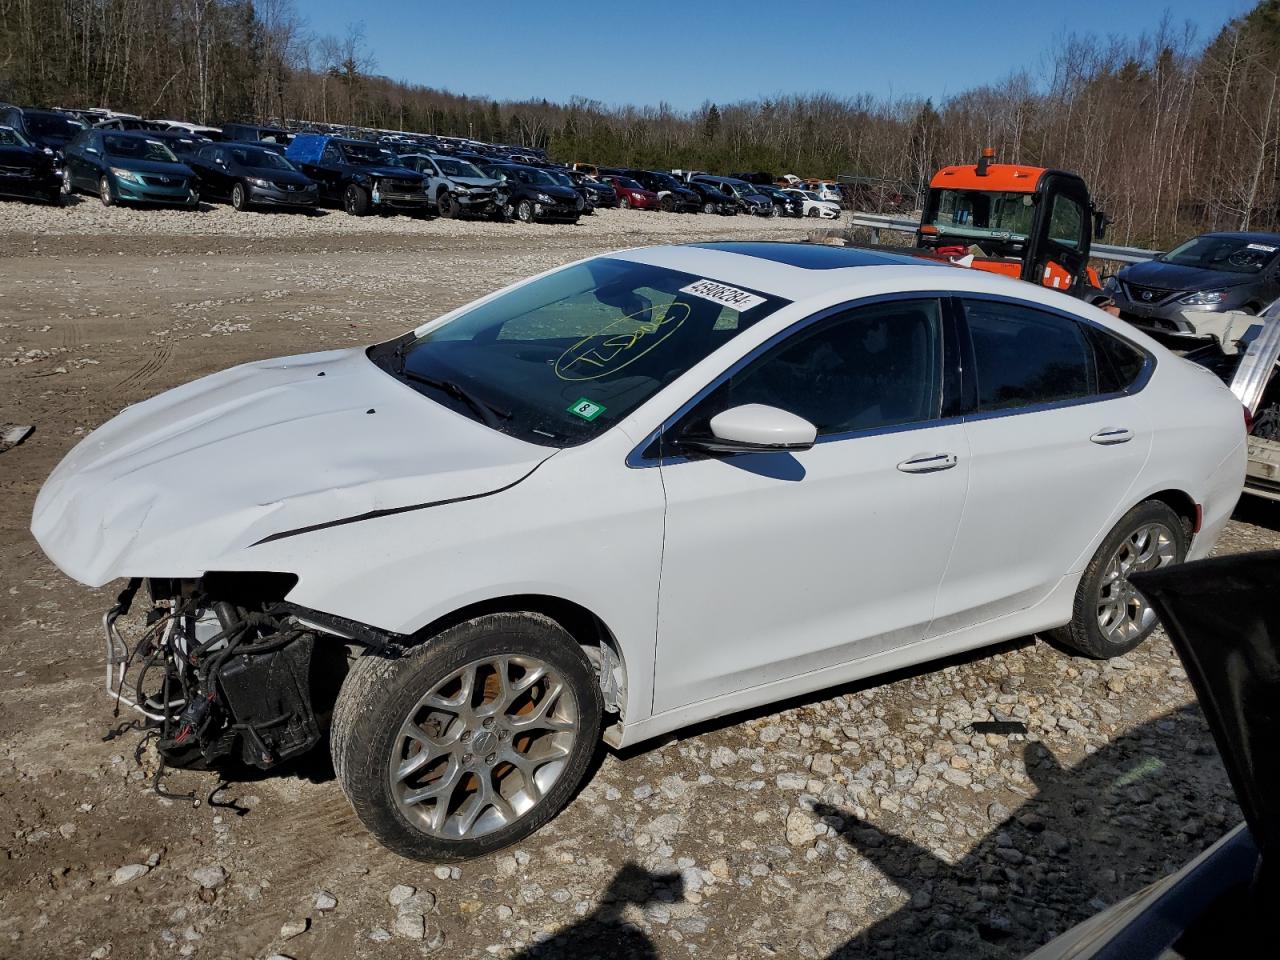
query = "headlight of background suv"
x=126 y=175
x=1205 y=297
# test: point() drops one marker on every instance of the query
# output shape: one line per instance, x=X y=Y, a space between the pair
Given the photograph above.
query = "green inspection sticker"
x=586 y=409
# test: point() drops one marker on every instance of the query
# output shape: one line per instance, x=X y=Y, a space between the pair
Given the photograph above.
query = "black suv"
x=360 y=176
x=533 y=194
x=598 y=193
x=47 y=129
x=673 y=196
x=713 y=200
x=247 y=175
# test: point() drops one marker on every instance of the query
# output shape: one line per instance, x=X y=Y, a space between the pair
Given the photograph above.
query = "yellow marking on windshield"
x=610 y=350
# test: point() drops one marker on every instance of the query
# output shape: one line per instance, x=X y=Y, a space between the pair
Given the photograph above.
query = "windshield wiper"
x=490 y=414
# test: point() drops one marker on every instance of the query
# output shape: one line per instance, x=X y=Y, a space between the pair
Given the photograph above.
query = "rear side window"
x=1119 y=363
x=1024 y=356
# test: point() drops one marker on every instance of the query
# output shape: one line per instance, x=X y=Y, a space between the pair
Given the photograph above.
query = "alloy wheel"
x=1123 y=612
x=67 y=187
x=483 y=747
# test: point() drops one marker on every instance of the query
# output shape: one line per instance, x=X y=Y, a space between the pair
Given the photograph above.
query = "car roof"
x=1245 y=235
x=804 y=271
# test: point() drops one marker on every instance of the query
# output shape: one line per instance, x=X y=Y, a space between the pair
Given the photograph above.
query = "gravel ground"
x=865 y=821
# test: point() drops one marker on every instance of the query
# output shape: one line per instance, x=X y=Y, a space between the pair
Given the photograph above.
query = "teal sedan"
x=127 y=167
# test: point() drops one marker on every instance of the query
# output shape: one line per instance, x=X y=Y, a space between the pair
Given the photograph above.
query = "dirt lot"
x=865 y=821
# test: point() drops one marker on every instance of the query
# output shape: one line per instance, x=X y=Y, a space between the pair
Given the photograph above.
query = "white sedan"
x=814 y=205
x=622 y=497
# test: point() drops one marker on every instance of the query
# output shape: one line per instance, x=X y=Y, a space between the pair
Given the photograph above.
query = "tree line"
x=1173 y=134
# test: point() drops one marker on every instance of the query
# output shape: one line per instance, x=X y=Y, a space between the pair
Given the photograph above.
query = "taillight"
x=1248 y=419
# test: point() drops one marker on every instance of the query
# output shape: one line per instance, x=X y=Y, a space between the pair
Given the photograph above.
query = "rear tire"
x=1110 y=617
x=453 y=705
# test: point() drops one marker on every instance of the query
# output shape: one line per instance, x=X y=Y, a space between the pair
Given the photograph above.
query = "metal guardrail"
x=1099 y=251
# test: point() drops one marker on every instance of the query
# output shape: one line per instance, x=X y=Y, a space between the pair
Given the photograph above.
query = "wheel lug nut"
x=491 y=758
x=467 y=758
x=466 y=736
x=488 y=724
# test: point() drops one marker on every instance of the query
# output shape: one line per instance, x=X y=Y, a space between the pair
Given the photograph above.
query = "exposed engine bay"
x=221 y=668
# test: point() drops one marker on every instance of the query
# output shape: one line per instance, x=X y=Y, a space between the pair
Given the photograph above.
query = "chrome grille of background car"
x=1141 y=294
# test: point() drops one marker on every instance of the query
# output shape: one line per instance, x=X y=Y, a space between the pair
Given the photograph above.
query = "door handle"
x=928 y=463
x=1108 y=436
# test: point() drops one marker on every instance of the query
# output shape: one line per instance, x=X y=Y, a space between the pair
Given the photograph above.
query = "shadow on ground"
x=1132 y=812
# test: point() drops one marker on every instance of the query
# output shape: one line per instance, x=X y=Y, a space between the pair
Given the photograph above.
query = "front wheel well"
x=590 y=632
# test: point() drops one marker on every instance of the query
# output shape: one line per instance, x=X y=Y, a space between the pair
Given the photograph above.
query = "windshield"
x=559 y=360
x=367 y=155
x=50 y=125
x=10 y=137
x=977 y=213
x=458 y=168
x=628 y=183
x=561 y=178
x=811 y=195
x=260 y=159
x=138 y=148
x=540 y=177
x=1228 y=254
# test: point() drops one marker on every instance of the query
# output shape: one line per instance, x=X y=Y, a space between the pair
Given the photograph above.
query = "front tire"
x=624 y=204
x=469 y=742
x=447 y=206
x=355 y=200
x=524 y=211
x=1110 y=617
x=68 y=188
x=105 y=193
x=240 y=198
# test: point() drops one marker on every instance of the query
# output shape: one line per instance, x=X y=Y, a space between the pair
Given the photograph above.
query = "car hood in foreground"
x=1171 y=276
x=193 y=478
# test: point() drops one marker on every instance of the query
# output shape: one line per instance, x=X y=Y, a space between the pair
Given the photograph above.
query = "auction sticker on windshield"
x=726 y=296
x=586 y=409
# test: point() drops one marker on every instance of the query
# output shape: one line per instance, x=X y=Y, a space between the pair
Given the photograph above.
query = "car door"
x=89 y=162
x=779 y=564
x=1056 y=440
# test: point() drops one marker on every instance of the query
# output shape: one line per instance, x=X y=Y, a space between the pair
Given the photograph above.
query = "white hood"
x=189 y=480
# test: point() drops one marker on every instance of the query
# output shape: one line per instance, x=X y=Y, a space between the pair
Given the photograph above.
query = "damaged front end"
x=222 y=667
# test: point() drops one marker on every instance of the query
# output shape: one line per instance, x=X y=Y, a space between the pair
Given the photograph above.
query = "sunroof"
x=812 y=256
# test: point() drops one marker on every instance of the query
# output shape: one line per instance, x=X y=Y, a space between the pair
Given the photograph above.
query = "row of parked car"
x=51 y=154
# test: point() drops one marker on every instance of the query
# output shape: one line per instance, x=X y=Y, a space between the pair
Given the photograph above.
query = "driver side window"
x=875 y=366
x=330 y=154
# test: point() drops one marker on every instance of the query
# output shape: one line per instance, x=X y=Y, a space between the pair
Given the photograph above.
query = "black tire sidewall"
x=1083 y=633
x=239 y=191
x=355 y=200
x=362 y=747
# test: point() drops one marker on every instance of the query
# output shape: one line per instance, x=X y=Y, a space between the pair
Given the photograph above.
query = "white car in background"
x=815 y=206
x=622 y=497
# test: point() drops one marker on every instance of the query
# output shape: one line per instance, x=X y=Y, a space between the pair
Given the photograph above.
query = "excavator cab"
x=1025 y=222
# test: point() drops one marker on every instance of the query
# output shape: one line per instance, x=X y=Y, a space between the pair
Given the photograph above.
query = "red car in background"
x=632 y=195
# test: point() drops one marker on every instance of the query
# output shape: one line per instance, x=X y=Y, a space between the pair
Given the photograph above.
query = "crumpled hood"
x=484 y=183
x=189 y=480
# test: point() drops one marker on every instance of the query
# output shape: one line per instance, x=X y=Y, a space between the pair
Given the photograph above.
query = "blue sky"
x=647 y=51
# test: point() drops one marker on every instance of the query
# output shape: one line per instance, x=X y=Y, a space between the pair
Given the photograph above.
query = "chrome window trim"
x=636 y=459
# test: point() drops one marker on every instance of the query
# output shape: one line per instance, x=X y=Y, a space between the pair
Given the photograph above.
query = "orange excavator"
x=1030 y=223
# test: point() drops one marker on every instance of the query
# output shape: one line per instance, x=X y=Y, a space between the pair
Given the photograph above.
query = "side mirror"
x=754 y=428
